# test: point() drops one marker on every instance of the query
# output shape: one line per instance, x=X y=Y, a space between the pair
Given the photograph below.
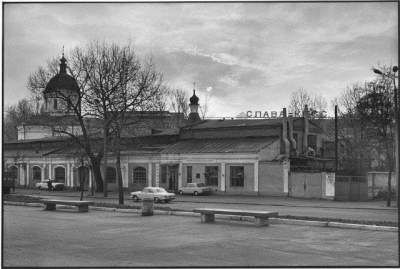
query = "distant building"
x=243 y=156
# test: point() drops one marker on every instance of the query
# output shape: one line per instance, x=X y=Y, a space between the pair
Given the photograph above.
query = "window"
x=312 y=141
x=237 y=176
x=139 y=175
x=37 y=173
x=59 y=173
x=189 y=174
x=111 y=175
x=211 y=175
x=295 y=137
x=164 y=174
x=13 y=172
x=55 y=104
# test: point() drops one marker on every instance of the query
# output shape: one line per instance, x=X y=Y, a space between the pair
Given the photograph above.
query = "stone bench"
x=261 y=217
x=83 y=206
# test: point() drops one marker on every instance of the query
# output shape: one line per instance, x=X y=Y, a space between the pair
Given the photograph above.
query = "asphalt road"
x=303 y=208
x=34 y=237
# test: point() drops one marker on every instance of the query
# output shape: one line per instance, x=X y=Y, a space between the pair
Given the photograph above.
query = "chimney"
x=291 y=137
x=194 y=107
x=285 y=149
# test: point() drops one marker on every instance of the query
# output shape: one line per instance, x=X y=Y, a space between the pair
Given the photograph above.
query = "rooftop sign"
x=264 y=114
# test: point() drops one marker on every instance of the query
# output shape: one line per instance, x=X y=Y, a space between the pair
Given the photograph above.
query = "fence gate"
x=305 y=185
x=351 y=188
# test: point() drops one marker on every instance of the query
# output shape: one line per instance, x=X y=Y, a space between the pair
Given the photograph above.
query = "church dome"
x=194 y=100
x=62 y=80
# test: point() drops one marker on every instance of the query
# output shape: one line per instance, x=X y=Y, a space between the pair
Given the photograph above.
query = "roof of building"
x=61 y=81
x=50 y=120
x=212 y=124
x=227 y=145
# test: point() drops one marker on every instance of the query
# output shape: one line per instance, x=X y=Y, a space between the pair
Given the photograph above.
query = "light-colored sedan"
x=43 y=185
x=195 y=189
x=157 y=193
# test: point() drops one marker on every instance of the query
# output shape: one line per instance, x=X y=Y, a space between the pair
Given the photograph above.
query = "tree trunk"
x=105 y=162
x=81 y=172
x=97 y=174
x=390 y=159
x=389 y=197
x=119 y=177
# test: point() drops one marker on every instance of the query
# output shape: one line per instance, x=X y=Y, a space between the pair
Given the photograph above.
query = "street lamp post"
x=397 y=118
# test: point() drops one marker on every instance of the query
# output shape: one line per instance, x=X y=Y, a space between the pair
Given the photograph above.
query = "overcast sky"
x=243 y=56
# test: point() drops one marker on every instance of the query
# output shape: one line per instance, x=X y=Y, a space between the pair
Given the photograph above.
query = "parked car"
x=43 y=185
x=157 y=193
x=195 y=189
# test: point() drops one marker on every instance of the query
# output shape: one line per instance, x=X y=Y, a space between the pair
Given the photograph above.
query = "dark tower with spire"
x=194 y=107
x=63 y=65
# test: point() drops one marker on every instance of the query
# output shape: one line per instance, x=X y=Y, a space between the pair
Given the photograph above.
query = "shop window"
x=36 y=173
x=139 y=175
x=211 y=175
x=163 y=174
x=189 y=174
x=237 y=176
x=59 y=174
x=111 y=175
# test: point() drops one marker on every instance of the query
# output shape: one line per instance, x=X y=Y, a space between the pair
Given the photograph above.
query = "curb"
x=331 y=224
x=300 y=222
x=22 y=204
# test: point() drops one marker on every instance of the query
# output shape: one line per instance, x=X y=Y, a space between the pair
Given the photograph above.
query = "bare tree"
x=38 y=80
x=366 y=129
x=179 y=100
x=145 y=94
x=112 y=81
x=316 y=103
x=15 y=115
x=204 y=106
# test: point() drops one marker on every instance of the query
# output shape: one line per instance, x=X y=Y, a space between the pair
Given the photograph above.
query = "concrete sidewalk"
x=235 y=199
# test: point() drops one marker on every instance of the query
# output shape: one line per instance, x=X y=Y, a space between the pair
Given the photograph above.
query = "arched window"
x=139 y=175
x=13 y=172
x=37 y=173
x=59 y=174
x=111 y=175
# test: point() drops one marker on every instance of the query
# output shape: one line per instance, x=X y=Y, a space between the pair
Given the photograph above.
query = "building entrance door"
x=173 y=178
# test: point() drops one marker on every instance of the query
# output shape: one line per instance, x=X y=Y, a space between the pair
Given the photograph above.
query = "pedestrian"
x=49 y=185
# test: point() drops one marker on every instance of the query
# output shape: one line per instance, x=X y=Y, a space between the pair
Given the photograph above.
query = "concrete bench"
x=83 y=206
x=261 y=217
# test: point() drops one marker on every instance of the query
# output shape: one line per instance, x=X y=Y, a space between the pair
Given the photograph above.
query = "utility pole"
x=336 y=139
